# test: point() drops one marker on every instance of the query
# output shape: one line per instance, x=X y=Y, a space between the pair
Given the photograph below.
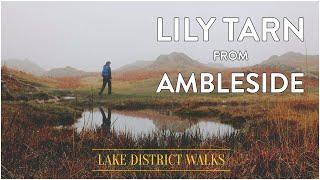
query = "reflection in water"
x=144 y=122
x=106 y=121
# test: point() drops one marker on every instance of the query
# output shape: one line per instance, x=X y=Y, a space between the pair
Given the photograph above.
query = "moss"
x=53 y=114
x=60 y=92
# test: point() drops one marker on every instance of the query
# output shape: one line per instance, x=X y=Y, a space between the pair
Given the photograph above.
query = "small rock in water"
x=68 y=97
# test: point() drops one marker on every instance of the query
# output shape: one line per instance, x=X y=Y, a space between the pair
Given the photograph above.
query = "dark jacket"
x=106 y=72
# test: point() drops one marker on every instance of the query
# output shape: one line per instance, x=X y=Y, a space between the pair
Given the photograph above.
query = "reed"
x=278 y=140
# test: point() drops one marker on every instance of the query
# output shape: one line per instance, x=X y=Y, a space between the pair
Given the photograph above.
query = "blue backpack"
x=105 y=71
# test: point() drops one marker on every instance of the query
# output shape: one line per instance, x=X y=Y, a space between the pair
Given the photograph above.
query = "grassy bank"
x=279 y=139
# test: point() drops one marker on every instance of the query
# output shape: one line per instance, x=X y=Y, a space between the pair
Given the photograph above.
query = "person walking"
x=106 y=74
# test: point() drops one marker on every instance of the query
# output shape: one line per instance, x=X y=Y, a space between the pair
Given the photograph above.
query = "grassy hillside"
x=298 y=61
x=24 y=65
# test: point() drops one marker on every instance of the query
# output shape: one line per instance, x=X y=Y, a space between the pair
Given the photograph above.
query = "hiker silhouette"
x=106 y=74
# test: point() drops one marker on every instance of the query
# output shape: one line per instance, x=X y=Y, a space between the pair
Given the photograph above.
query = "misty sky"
x=86 y=34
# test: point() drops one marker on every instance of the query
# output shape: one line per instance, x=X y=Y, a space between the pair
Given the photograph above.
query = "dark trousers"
x=105 y=82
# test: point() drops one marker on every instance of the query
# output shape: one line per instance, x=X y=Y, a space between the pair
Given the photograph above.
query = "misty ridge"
x=175 y=61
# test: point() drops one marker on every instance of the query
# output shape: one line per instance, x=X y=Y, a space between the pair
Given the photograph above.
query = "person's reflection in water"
x=106 y=121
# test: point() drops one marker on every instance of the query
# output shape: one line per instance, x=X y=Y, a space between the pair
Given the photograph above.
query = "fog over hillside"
x=176 y=61
x=60 y=34
x=24 y=65
x=296 y=60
